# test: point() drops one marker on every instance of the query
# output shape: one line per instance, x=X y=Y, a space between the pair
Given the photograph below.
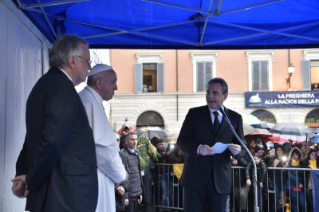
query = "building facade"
x=179 y=78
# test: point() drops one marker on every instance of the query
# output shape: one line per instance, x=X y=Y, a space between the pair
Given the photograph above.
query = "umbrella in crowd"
x=126 y=129
x=171 y=137
x=247 y=129
x=258 y=133
x=315 y=138
x=263 y=125
x=150 y=132
x=277 y=138
x=292 y=129
x=173 y=134
x=249 y=118
x=315 y=131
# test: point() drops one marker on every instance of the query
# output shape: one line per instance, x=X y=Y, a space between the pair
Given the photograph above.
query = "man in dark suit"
x=207 y=176
x=56 y=168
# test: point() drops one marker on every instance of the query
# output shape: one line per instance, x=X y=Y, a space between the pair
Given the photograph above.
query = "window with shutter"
x=200 y=76
x=204 y=73
x=160 y=77
x=260 y=76
x=138 y=77
x=208 y=73
x=260 y=69
x=314 y=74
x=306 y=83
x=151 y=71
x=149 y=77
x=264 y=76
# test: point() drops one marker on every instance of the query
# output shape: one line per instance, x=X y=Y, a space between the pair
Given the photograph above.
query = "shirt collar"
x=95 y=94
x=132 y=150
x=66 y=75
x=219 y=113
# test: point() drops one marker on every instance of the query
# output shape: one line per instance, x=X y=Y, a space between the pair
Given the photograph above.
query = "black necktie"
x=216 y=122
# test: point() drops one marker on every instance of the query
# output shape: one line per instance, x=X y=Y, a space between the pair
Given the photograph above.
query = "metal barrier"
x=168 y=193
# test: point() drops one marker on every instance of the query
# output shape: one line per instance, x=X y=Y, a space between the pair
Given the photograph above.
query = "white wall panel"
x=45 y=56
x=24 y=68
x=23 y=57
x=3 y=64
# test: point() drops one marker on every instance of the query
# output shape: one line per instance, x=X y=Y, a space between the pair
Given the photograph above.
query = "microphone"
x=220 y=108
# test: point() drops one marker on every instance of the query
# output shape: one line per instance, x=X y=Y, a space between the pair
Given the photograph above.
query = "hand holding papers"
x=206 y=150
x=234 y=148
x=220 y=147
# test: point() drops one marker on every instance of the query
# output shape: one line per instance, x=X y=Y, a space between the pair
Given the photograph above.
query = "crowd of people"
x=156 y=183
x=283 y=187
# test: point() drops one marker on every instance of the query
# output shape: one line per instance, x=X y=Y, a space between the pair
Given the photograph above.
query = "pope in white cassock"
x=101 y=85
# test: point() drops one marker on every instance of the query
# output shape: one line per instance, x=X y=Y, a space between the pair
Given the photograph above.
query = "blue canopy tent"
x=180 y=24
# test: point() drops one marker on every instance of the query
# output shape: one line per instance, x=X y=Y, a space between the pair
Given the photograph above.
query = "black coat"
x=120 y=200
x=261 y=173
x=58 y=154
x=135 y=181
x=305 y=164
x=198 y=129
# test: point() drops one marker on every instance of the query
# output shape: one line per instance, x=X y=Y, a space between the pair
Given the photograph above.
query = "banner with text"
x=282 y=99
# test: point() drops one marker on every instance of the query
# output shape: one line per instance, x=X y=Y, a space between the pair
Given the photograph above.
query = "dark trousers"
x=132 y=205
x=207 y=199
x=309 y=200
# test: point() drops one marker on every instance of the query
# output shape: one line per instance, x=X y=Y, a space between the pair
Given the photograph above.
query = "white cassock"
x=110 y=168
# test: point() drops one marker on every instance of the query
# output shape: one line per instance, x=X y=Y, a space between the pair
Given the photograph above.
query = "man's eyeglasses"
x=88 y=61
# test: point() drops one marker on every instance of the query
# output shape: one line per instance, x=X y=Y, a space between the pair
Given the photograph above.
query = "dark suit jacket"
x=198 y=129
x=58 y=154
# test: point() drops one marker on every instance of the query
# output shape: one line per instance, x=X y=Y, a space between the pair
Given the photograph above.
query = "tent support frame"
x=46 y=18
x=209 y=13
x=206 y=19
x=47 y=4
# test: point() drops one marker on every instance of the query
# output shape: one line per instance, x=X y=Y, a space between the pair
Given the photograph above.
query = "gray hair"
x=221 y=81
x=128 y=135
x=65 y=47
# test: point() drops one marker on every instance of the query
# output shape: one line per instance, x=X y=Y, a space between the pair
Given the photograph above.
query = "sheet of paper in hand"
x=220 y=147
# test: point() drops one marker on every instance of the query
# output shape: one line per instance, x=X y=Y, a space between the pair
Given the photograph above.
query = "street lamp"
x=291 y=70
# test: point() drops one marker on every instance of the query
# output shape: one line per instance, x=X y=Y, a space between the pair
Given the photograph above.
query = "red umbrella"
x=285 y=138
x=275 y=139
x=125 y=128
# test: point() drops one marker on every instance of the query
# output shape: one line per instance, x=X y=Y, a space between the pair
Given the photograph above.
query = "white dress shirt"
x=212 y=115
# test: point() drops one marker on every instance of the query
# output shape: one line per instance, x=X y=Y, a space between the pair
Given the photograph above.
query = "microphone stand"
x=256 y=209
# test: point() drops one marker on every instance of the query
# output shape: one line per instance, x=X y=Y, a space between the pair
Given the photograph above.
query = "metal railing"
x=167 y=192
